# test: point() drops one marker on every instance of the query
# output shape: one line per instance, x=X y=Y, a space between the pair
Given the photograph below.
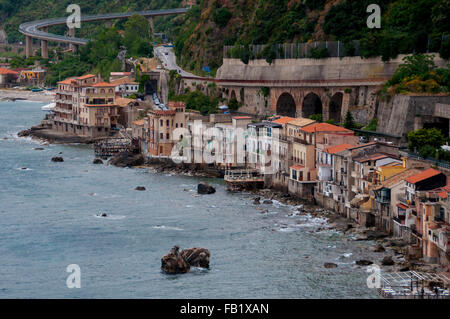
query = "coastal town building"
x=125 y=87
x=8 y=77
x=161 y=124
x=85 y=106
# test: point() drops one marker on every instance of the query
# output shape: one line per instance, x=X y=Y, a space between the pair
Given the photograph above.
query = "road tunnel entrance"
x=151 y=86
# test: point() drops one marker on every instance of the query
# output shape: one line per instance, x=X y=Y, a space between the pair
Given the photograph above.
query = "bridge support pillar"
x=152 y=26
x=72 y=35
x=28 y=46
x=44 y=49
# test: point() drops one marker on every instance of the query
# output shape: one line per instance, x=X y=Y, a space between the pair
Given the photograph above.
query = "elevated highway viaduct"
x=39 y=29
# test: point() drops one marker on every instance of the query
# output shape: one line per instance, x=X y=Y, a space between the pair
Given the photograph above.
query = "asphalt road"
x=169 y=60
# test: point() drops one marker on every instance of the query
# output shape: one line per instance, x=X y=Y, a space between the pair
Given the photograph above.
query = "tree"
x=425 y=140
x=223 y=15
x=349 y=123
x=137 y=31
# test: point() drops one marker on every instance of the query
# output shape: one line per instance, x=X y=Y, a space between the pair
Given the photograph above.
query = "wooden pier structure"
x=114 y=146
x=241 y=179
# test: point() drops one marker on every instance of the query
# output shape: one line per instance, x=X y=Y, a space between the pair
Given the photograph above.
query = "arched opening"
x=286 y=105
x=336 y=107
x=311 y=105
x=233 y=95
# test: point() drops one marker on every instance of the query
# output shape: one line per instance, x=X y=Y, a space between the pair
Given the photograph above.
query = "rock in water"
x=140 y=188
x=204 y=188
x=24 y=133
x=97 y=161
x=267 y=202
x=256 y=201
x=364 y=262
x=173 y=262
x=379 y=248
x=57 y=159
x=387 y=261
x=127 y=159
x=330 y=265
x=196 y=257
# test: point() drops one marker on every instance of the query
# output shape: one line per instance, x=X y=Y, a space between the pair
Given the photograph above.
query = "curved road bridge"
x=39 y=29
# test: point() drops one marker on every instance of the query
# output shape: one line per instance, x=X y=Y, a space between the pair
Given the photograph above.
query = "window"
x=161 y=122
x=161 y=135
x=168 y=136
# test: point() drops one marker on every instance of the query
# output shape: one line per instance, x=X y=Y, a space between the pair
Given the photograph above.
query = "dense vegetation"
x=427 y=142
x=15 y=12
x=407 y=26
x=418 y=74
x=101 y=54
x=199 y=36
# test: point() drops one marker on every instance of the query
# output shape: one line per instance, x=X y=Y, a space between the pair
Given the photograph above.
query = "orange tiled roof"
x=163 y=112
x=139 y=122
x=443 y=195
x=283 y=120
x=325 y=127
x=7 y=71
x=87 y=76
x=121 y=81
x=422 y=176
x=66 y=81
x=103 y=84
x=338 y=148
x=242 y=118
x=296 y=167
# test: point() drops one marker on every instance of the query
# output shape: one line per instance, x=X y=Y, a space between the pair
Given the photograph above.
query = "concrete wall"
x=405 y=113
x=347 y=68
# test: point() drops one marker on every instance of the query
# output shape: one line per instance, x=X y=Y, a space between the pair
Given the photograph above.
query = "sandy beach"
x=11 y=95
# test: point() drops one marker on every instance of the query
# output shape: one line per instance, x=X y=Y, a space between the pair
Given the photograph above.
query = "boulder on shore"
x=205 y=189
x=364 y=262
x=196 y=257
x=57 y=159
x=379 y=248
x=97 y=161
x=173 y=262
x=127 y=159
x=140 y=188
x=387 y=261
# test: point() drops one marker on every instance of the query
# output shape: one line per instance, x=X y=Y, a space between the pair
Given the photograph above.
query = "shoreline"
x=348 y=229
x=12 y=95
x=384 y=245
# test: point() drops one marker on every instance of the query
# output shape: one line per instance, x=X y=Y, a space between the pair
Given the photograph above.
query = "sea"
x=49 y=222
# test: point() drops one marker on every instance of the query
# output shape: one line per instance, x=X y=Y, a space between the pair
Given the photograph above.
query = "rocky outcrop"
x=24 y=133
x=196 y=257
x=57 y=159
x=173 y=262
x=205 y=189
x=176 y=262
x=127 y=159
